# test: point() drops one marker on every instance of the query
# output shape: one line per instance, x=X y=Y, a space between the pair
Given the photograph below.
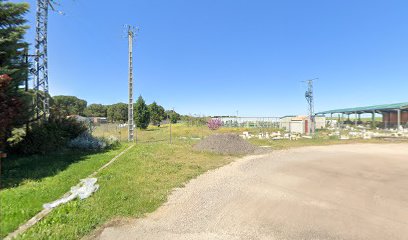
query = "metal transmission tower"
x=130 y=35
x=40 y=70
x=310 y=100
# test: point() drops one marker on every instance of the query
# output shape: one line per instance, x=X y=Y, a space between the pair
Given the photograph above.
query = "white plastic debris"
x=82 y=190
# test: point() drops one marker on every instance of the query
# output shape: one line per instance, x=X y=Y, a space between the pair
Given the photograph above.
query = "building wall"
x=392 y=118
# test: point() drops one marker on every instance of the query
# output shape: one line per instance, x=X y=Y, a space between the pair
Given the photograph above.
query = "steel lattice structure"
x=40 y=70
x=310 y=100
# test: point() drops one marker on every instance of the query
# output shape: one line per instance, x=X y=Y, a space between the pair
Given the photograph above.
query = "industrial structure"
x=393 y=115
x=310 y=100
x=40 y=69
x=130 y=35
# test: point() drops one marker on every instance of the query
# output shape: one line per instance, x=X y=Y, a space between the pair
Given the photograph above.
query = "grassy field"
x=29 y=182
x=137 y=183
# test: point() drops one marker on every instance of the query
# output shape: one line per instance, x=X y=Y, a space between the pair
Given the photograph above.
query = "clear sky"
x=219 y=56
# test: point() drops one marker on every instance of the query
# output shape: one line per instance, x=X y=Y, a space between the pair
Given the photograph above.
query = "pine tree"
x=13 y=69
x=142 y=114
x=12 y=44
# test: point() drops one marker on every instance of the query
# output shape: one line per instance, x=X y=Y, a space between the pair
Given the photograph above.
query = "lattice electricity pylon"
x=40 y=70
x=310 y=100
x=130 y=34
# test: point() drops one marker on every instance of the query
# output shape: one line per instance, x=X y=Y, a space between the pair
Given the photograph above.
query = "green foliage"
x=96 y=110
x=142 y=114
x=12 y=44
x=117 y=112
x=10 y=109
x=13 y=68
x=49 y=136
x=63 y=106
x=157 y=113
x=174 y=116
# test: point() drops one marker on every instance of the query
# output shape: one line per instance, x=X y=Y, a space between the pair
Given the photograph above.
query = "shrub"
x=49 y=136
x=86 y=141
x=214 y=123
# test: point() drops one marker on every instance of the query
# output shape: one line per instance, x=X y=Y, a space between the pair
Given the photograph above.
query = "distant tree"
x=96 y=110
x=141 y=114
x=63 y=106
x=117 y=112
x=157 y=113
x=174 y=116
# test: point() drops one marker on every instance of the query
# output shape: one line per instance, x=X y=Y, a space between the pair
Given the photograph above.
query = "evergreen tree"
x=142 y=114
x=157 y=113
x=63 y=106
x=13 y=69
x=117 y=112
x=12 y=44
x=95 y=110
x=173 y=115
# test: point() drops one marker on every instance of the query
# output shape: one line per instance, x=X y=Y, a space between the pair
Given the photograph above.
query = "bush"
x=86 y=141
x=49 y=136
x=214 y=124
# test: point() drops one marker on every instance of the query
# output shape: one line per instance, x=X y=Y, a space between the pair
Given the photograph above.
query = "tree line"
x=63 y=106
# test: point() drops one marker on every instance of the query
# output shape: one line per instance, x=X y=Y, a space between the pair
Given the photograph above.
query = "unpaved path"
x=332 y=192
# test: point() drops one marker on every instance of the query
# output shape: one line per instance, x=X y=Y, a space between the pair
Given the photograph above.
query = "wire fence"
x=196 y=128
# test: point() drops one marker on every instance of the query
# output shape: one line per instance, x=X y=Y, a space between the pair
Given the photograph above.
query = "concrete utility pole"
x=310 y=100
x=130 y=34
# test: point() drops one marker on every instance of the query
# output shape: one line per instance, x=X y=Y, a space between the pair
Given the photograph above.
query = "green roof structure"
x=369 y=109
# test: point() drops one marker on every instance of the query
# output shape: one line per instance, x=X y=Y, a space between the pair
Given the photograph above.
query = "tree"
x=63 y=106
x=12 y=44
x=174 y=116
x=142 y=114
x=157 y=113
x=10 y=109
x=13 y=68
x=96 y=110
x=117 y=112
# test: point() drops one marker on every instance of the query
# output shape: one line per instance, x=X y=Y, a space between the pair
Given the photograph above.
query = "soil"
x=225 y=144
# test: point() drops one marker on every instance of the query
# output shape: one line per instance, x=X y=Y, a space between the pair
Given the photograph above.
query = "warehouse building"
x=393 y=115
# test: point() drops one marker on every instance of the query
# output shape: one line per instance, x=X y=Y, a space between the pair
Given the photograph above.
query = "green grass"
x=29 y=182
x=137 y=183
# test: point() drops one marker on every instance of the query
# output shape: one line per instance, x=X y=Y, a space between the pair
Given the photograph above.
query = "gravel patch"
x=225 y=144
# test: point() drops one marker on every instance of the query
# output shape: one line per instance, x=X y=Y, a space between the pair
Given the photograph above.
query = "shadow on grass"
x=16 y=169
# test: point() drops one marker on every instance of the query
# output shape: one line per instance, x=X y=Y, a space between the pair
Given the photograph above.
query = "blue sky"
x=215 y=57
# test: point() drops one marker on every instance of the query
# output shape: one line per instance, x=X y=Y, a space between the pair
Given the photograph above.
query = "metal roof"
x=369 y=109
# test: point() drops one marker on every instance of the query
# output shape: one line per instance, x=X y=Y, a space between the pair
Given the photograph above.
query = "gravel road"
x=333 y=192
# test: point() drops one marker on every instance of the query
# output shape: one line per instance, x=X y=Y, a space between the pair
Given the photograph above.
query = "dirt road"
x=333 y=192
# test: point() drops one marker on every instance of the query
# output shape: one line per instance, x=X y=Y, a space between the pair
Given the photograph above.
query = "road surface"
x=355 y=191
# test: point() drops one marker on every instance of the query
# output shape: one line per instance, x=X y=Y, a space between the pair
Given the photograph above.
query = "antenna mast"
x=130 y=34
x=310 y=100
